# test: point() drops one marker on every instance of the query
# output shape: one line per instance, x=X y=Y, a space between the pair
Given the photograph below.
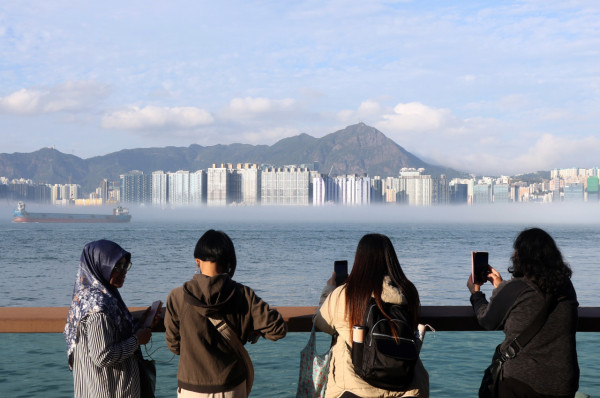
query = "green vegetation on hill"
x=357 y=149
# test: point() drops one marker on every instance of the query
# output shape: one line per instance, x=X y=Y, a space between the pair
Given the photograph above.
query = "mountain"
x=357 y=149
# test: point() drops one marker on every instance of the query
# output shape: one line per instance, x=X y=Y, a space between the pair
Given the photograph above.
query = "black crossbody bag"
x=494 y=373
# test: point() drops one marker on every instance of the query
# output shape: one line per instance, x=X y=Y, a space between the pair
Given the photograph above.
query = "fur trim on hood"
x=392 y=294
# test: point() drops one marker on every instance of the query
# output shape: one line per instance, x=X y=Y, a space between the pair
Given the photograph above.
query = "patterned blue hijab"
x=94 y=293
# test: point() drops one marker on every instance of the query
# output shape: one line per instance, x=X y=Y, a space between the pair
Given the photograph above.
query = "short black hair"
x=217 y=247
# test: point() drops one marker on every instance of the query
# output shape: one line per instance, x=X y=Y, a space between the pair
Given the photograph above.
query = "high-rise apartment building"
x=197 y=187
x=352 y=190
x=114 y=192
x=482 y=193
x=179 y=188
x=573 y=192
x=324 y=190
x=136 y=187
x=160 y=191
x=440 y=191
x=391 y=190
x=244 y=184
x=103 y=190
x=459 y=193
x=216 y=185
x=501 y=193
x=592 y=189
x=63 y=194
x=285 y=186
x=377 y=190
x=417 y=189
x=319 y=191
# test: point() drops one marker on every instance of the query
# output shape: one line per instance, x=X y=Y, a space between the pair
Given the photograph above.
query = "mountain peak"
x=356 y=149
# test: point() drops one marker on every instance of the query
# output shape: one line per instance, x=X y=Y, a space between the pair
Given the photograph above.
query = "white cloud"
x=21 y=102
x=369 y=108
x=414 y=117
x=154 y=117
x=476 y=143
x=65 y=97
x=491 y=157
x=551 y=151
x=249 y=107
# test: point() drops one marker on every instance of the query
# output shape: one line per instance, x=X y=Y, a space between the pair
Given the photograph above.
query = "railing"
x=299 y=319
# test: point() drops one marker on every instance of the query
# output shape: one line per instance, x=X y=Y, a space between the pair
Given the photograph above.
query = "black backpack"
x=382 y=360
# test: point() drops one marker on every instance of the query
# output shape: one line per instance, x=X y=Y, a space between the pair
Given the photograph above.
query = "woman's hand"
x=143 y=336
x=473 y=287
x=494 y=277
x=157 y=317
x=331 y=281
x=142 y=320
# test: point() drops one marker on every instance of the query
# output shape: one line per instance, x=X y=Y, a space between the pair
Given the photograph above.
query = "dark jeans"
x=512 y=388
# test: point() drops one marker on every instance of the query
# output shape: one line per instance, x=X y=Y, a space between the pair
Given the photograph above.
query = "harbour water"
x=286 y=256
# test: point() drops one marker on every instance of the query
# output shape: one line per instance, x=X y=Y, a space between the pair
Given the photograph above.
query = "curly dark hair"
x=537 y=258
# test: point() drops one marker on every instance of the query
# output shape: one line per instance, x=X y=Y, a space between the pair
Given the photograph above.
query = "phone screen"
x=341 y=271
x=481 y=268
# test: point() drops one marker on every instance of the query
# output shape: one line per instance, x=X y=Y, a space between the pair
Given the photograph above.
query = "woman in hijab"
x=101 y=336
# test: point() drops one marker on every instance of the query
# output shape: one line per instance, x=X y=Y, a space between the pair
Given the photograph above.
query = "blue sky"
x=490 y=87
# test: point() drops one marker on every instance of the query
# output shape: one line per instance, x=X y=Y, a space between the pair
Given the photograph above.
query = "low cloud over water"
x=522 y=213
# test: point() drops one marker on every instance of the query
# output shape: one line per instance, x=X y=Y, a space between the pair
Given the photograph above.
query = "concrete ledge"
x=299 y=319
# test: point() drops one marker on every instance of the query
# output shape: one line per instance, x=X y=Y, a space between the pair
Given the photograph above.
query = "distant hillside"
x=357 y=149
x=532 y=178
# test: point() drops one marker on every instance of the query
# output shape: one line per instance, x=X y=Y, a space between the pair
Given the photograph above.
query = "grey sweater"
x=548 y=364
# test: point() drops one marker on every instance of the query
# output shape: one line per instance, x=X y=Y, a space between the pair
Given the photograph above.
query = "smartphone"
x=480 y=267
x=341 y=272
x=156 y=306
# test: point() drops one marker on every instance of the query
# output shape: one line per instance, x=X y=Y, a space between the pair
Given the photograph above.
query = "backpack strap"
x=234 y=342
x=526 y=335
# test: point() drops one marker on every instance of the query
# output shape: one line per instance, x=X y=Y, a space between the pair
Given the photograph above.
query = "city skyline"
x=250 y=185
x=495 y=88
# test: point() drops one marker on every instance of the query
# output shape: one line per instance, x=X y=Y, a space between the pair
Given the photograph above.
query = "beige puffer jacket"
x=330 y=318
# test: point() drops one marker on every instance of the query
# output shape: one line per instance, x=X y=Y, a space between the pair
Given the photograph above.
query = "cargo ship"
x=120 y=214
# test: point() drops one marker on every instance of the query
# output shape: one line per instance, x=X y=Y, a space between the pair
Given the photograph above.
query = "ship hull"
x=70 y=218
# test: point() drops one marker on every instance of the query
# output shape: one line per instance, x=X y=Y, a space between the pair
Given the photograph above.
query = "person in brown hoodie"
x=207 y=365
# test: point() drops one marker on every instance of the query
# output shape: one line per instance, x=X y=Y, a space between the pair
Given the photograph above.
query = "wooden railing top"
x=299 y=319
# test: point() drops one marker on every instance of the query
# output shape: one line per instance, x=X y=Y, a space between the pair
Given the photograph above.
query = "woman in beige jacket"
x=376 y=273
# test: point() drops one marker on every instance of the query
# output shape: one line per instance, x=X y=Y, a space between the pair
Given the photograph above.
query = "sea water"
x=285 y=256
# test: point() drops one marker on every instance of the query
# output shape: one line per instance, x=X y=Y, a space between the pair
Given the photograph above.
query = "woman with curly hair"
x=547 y=365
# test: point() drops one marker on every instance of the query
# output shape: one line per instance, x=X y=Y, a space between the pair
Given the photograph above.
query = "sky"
x=488 y=87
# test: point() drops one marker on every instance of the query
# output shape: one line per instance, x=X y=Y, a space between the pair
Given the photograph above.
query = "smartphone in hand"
x=479 y=267
x=156 y=307
x=341 y=272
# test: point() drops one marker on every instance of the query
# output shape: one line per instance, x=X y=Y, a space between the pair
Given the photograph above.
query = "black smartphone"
x=480 y=267
x=341 y=272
